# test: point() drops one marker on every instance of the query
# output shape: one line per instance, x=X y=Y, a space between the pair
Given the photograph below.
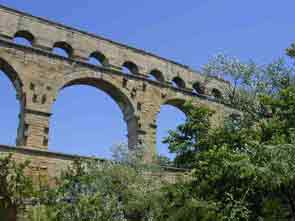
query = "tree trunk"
x=292 y=206
x=9 y=214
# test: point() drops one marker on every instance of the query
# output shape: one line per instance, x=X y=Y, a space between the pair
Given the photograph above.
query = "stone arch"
x=100 y=57
x=216 y=93
x=131 y=67
x=28 y=36
x=157 y=75
x=13 y=77
x=178 y=82
x=171 y=107
x=65 y=47
x=17 y=83
x=176 y=102
x=121 y=99
x=199 y=87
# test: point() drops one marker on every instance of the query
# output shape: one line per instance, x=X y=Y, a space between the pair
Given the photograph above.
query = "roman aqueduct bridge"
x=138 y=81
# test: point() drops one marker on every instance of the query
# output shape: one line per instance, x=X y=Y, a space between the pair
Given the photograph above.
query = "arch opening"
x=24 y=38
x=94 y=113
x=11 y=103
x=169 y=110
x=63 y=49
x=216 y=93
x=156 y=75
x=178 y=82
x=199 y=88
x=99 y=59
x=129 y=68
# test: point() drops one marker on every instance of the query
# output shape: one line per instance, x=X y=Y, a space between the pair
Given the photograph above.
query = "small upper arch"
x=235 y=116
x=157 y=75
x=178 y=82
x=199 y=87
x=99 y=58
x=24 y=37
x=130 y=68
x=63 y=48
x=216 y=93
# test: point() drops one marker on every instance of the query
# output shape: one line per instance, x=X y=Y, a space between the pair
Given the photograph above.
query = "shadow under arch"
x=17 y=83
x=124 y=103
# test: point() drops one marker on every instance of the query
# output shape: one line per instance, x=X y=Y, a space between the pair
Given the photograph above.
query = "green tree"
x=248 y=81
x=111 y=191
x=244 y=169
x=190 y=137
x=15 y=187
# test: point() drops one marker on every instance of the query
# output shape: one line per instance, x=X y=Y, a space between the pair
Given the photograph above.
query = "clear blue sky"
x=186 y=31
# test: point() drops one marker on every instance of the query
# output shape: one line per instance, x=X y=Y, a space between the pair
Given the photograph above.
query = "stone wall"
x=47 y=166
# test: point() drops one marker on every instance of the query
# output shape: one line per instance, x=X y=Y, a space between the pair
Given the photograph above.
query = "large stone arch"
x=176 y=108
x=17 y=83
x=13 y=76
x=150 y=118
x=111 y=87
x=176 y=102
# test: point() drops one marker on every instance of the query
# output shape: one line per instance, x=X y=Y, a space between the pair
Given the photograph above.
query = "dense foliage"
x=241 y=170
x=245 y=169
x=104 y=190
x=15 y=187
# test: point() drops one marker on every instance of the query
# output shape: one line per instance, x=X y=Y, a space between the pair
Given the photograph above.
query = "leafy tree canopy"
x=243 y=170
